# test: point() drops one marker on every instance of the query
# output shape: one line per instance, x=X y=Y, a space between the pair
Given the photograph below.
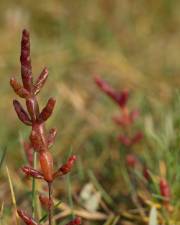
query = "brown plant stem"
x=50 y=205
x=34 y=186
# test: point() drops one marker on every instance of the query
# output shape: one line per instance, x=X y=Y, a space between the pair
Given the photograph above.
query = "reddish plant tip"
x=131 y=160
x=76 y=221
x=137 y=137
x=26 y=68
x=122 y=120
x=105 y=87
x=25 y=40
x=165 y=189
x=146 y=174
x=32 y=172
x=45 y=70
x=72 y=159
x=40 y=81
x=126 y=141
x=21 y=113
x=26 y=218
x=48 y=110
x=25 y=33
x=120 y=98
x=18 y=88
x=66 y=168
x=130 y=141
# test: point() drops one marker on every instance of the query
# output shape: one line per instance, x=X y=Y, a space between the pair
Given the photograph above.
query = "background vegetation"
x=132 y=44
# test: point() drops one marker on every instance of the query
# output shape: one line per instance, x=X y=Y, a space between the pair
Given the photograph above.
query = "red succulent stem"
x=40 y=140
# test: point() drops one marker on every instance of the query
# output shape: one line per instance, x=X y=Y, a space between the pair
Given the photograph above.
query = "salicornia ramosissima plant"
x=125 y=120
x=40 y=139
x=126 y=117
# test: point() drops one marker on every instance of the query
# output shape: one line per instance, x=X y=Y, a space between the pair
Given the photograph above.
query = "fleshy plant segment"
x=39 y=140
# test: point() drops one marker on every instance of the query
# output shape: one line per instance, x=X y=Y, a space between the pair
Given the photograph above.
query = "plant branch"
x=34 y=185
x=50 y=201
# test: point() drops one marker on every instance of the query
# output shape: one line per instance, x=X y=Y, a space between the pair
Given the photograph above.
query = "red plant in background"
x=126 y=117
x=76 y=221
x=146 y=174
x=120 y=98
x=40 y=140
x=165 y=191
x=131 y=160
x=128 y=142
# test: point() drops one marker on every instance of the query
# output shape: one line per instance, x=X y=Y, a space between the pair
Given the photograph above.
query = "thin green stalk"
x=34 y=186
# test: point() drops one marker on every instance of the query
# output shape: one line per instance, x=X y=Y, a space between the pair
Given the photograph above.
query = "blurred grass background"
x=131 y=43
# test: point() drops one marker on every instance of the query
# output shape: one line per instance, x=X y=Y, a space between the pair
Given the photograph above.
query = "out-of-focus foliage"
x=133 y=44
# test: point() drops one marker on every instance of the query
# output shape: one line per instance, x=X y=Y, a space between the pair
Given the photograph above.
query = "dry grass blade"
x=116 y=219
x=109 y=220
x=12 y=194
x=67 y=211
x=82 y=213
